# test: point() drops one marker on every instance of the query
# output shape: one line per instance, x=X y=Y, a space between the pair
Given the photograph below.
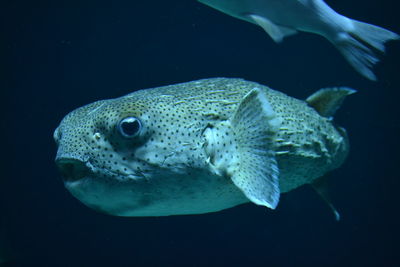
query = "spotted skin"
x=168 y=169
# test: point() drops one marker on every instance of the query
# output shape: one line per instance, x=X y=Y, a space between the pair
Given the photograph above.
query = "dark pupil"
x=130 y=127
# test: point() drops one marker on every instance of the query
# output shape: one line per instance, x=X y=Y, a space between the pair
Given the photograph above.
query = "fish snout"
x=72 y=169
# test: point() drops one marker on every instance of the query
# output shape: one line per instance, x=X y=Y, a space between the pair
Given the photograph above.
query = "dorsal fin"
x=320 y=185
x=326 y=101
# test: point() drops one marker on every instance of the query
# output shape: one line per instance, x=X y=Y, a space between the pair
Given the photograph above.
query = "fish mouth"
x=72 y=169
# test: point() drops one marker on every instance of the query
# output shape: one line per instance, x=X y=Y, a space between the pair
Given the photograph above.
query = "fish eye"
x=129 y=127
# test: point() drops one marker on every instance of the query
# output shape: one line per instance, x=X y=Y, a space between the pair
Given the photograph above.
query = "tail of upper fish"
x=360 y=44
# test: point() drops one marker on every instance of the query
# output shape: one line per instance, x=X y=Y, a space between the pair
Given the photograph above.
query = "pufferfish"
x=198 y=147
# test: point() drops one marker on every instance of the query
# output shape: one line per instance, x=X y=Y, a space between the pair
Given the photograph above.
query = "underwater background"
x=59 y=55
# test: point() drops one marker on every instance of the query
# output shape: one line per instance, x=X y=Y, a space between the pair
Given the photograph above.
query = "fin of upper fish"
x=358 y=45
x=277 y=33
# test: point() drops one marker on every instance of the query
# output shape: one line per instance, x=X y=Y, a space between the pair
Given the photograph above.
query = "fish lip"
x=72 y=169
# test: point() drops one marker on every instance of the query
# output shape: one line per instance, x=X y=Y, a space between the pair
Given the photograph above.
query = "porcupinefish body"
x=198 y=147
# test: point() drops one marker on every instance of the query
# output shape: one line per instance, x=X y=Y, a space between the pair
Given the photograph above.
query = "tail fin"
x=358 y=44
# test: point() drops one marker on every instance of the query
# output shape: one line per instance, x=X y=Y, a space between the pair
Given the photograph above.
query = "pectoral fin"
x=256 y=173
x=276 y=32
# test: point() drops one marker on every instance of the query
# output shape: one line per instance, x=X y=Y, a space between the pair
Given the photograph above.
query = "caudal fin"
x=358 y=45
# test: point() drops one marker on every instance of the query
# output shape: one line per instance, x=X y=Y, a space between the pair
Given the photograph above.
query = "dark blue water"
x=57 y=56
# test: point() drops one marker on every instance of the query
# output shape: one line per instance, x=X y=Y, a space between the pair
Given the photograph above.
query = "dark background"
x=56 y=56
